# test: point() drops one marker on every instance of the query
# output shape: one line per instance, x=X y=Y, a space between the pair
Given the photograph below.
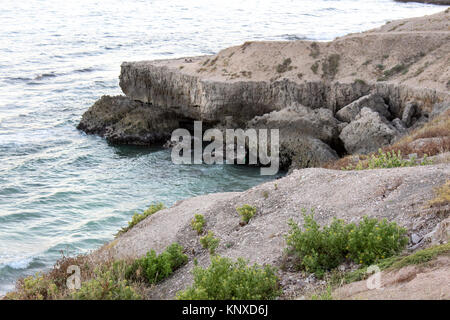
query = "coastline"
x=193 y=93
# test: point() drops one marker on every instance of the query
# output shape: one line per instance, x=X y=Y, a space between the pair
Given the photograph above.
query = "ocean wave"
x=16 y=263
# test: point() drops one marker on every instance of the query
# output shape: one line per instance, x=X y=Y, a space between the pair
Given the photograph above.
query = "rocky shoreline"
x=387 y=87
x=329 y=99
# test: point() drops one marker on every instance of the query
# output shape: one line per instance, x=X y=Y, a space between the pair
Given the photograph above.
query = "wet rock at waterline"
x=124 y=121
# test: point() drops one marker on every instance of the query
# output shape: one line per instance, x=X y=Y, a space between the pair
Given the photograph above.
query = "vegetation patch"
x=330 y=66
x=315 y=50
x=442 y=195
x=138 y=217
x=398 y=262
x=37 y=287
x=210 y=242
x=154 y=268
x=225 y=279
x=246 y=212
x=315 y=67
x=198 y=222
x=285 y=66
x=108 y=284
x=389 y=159
x=319 y=249
x=399 y=68
x=360 y=82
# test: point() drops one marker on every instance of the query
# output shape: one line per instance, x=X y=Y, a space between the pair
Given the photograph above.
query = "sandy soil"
x=423 y=282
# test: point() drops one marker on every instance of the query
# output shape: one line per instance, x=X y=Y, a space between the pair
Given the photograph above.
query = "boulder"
x=125 y=121
x=371 y=101
x=399 y=125
x=440 y=234
x=368 y=132
x=305 y=135
x=408 y=113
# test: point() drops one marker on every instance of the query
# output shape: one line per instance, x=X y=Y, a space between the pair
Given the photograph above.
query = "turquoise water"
x=61 y=190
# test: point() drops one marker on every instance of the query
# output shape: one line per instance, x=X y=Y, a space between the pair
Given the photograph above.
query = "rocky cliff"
x=350 y=95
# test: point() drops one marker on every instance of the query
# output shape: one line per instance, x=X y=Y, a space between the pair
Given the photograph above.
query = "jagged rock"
x=308 y=152
x=304 y=134
x=367 y=132
x=122 y=120
x=415 y=238
x=371 y=101
x=399 y=125
x=408 y=113
x=440 y=234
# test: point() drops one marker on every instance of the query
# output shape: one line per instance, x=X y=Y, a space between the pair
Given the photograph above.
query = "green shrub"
x=154 y=268
x=198 y=223
x=138 y=217
x=106 y=285
x=373 y=240
x=228 y=280
x=209 y=242
x=37 y=287
x=246 y=212
x=319 y=249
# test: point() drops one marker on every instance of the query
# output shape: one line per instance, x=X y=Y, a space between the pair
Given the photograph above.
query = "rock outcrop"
x=398 y=71
x=124 y=121
x=371 y=101
x=368 y=132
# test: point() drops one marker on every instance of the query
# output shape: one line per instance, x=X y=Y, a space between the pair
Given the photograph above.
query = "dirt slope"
x=399 y=195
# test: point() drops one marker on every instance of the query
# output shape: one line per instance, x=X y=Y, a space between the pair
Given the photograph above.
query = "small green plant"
x=198 y=222
x=154 y=268
x=246 y=212
x=265 y=194
x=325 y=295
x=106 y=285
x=389 y=159
x=138 y=217
x=319 y=249
x=210 y=242
x=37 y=287
x=225 y=279
x=285 y=66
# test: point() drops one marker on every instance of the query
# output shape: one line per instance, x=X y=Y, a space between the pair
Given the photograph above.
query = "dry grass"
x=442 y=195
x=437 y=131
